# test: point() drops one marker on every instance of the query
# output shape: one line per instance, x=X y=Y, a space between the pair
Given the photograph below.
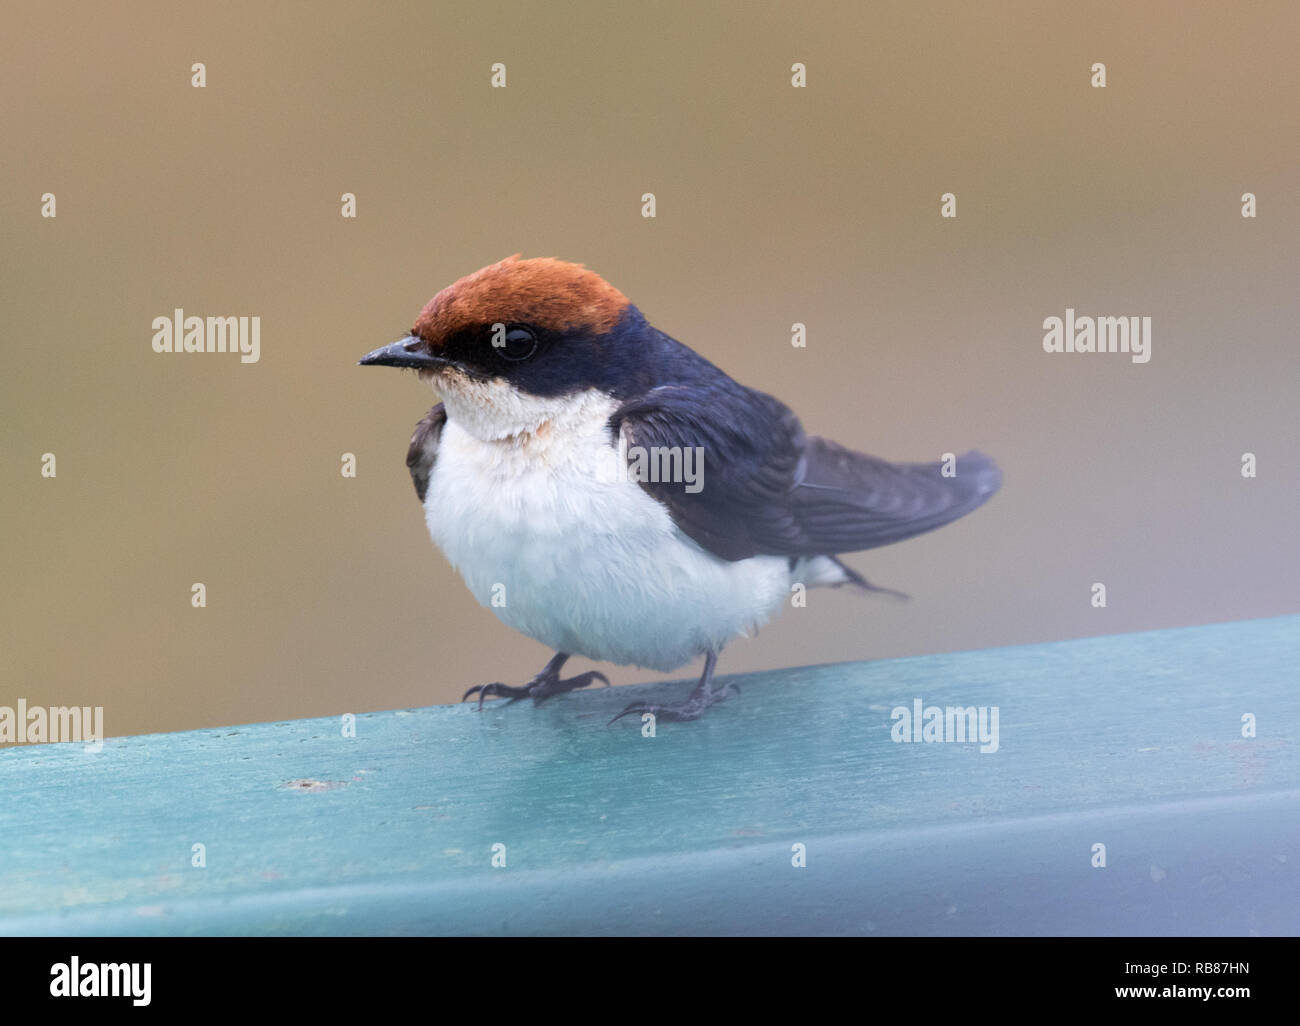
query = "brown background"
x=775 y=205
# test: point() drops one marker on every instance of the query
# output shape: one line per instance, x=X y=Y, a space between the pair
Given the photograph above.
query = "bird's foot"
x=681 y=712
x=539 y=689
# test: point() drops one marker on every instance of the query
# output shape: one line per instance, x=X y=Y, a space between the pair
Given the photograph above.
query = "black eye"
x=519 y=343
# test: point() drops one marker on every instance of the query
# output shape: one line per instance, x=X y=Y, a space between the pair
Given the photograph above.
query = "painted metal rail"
x=1133 y=742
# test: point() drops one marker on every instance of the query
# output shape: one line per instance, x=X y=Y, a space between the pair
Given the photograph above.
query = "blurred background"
x=774 y=205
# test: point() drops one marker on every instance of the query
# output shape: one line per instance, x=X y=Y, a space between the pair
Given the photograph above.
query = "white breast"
x=549 y=533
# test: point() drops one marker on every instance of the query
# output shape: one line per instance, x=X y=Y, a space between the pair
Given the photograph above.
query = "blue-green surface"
x=1133 y=741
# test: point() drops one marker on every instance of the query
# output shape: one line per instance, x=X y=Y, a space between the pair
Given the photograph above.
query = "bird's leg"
x=700 y=699
x=541 y=687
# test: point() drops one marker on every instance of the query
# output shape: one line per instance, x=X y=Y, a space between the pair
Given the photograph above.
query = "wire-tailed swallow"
x=609 y=492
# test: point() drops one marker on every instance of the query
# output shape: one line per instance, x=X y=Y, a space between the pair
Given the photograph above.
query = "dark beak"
x=402 y=353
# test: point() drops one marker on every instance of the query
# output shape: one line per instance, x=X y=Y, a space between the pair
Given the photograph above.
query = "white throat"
x=495 y=411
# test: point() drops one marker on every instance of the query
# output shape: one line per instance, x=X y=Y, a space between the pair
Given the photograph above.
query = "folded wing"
x=767 y=488
x=423 y=450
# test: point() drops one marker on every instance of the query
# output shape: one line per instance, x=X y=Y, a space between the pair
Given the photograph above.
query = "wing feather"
x=769 y=489
x=423 y=450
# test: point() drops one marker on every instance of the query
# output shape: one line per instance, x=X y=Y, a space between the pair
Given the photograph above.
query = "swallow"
x=610 y=493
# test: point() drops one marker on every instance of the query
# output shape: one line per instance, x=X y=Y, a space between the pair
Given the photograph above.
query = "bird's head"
x=509 y=345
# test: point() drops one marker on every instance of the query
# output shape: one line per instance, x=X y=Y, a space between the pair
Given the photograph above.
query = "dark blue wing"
x=767 y=488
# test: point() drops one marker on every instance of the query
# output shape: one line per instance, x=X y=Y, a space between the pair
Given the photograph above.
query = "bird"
x=609 y=492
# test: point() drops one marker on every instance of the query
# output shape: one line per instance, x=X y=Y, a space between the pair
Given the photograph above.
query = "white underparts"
x=527 y=501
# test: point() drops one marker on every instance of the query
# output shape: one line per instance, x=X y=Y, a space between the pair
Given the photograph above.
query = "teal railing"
x=1139 y=743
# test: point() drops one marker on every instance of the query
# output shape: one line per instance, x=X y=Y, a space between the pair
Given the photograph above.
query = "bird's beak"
x=403 y=353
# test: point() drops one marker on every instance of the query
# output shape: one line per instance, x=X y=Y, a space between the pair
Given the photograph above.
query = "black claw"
x=539 y=689
x=682 y=712
x=495 y=688
x=634 y=707
x=542 y=690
